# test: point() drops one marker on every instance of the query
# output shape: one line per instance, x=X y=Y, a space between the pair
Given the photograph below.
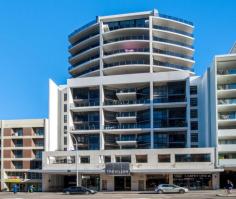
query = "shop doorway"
x=154 y=180
x=122 y=183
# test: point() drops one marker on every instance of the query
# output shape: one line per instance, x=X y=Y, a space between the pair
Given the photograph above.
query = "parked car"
x=170 y=188
x=78 y=190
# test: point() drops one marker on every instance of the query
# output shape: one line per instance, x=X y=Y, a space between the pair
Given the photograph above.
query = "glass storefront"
x=155 y=180
x=91 y=181
x=193 y=181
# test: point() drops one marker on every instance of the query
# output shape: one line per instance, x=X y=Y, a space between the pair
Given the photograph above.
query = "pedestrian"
x=15 y=189
x=229 y=187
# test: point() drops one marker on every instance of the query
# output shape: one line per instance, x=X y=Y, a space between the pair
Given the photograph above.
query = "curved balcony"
x=126 y=67
x=90 y=52
x=176 y=44
x=91 y=72
x=83 y=64
x=126 y=117
x=126 y=38
x=173 y=30
x=226 y=72
x=159 y=51
x=126 y=102
x=120 y=51
x=169 y=65
x=83 y=30
x=175 y=19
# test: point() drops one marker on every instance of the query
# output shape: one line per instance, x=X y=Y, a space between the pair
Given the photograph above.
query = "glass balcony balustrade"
x=83 y=61
x=127 y=138
x=158 y=63
x=83 y=27
x=92 y=69
x=128 y=62
x=155 y=50
x=170 y=99
x=135 y=37
x=126 y=90
x=172 y=42
x=170 y=123
x=227 y=116
x=226 y=101
x=84 y=102
x=126 y=114
x=172 y=30
x=86 y=126
x=175 y=19
x=118 y=102
x=226 y=86
x=84 y=49
x=127 y=126
x=226 y=72
x=128 y=50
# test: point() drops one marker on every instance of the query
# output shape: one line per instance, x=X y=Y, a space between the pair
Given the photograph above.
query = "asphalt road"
x=120 y=195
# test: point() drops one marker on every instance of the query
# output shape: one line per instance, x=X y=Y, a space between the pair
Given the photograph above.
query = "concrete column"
x=188 y=144
x=215 y=181
x=101 y=115
x=171 y=179
x=151 y=114
x=150 y=44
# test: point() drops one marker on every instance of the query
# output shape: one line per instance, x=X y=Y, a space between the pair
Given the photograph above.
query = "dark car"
x=78 y=190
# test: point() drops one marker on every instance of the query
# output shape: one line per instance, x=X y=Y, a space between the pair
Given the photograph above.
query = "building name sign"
x=118 y=168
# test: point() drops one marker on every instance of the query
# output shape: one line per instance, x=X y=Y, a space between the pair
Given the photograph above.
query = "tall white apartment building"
x=133 y=114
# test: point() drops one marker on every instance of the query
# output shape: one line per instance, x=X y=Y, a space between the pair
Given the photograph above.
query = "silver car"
x=170 y=188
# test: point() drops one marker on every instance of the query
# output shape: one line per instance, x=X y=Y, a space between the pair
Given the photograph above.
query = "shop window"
x=141 y=158
x=163 y=158
x=84 y=159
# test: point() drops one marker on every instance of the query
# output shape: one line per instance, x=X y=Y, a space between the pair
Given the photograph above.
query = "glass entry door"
x=122 y=183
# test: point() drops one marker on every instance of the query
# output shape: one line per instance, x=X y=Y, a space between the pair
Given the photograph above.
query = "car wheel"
x=181 y=191
x=67 y=193
x=87 y=192
x=160 y=192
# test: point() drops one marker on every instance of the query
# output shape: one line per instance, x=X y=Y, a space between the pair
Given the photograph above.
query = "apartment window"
x=193 y=90
x=17 y=132
x=18 y=143
x=65 y=107
x=65 y=118
x=39 y=131
x=193 y=157
x=194 y=125
x=163 y=158
x=84 y=159
x=18 y=153
x=65 y=129
x=123 y=158
x=233 y=141
x=194 y=146
x=193 y=113
x=65 y=96
x=18 y=164
x=36 y=164
x=107 y=159
x=65 y=141
x=193 y=101
x=141 y=158
x=194 y=137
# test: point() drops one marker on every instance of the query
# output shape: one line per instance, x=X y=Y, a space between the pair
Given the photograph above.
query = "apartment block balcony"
x=126 y=94
x=226 y=72
x=159 y=51
x=227 y=147
x=227 y=116
x=170 y=123
x=227 y=101
x=127 y=126
x=82 y=125
x=123 y=38
x=127 y=102
x=226 y=86
x=226 y=133
x=127 y=50
x=85 y=102
x=126 y=117
x=165 y=28
x=227 y=162
x=127 y=141
x=159 y=64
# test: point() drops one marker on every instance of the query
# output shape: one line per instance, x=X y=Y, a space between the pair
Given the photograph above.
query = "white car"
x=170 y=188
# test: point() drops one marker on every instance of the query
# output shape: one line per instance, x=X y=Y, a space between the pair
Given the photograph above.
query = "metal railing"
x=127 y=126
x=126 y=114
x=118 y=102
x=85 y=102
x=172 y=42
x=170 y=123
x=226 y=86
x=94 y=68
x=84 y=126
x=126 y=51
x=83 y=27
x=158 y=63
x=226 y=72
x=175 y=19
x=84 y=61
x=170 y=99
x=129 y=62
x=227 y=101
x=227 y=116
x=140 y=37
x=155 y=50
x=84 y=50
x=172 y=30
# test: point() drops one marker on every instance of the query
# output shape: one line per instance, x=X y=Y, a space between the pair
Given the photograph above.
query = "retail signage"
x=118 y=168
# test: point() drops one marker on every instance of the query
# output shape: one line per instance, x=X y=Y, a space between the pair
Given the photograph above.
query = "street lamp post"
x=77 y=155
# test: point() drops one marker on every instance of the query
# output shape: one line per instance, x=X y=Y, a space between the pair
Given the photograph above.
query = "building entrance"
x=122 y=183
